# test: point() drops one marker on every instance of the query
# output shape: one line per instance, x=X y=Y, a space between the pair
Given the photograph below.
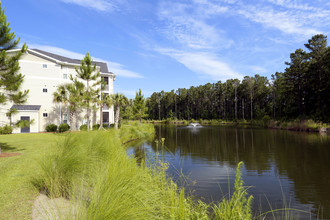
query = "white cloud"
x=99 y=5
x=114 y=67
x=258 y=69
x=289 y=22
x=205 y=64
x=120 y=70
x=291 y=4
x=187 y=24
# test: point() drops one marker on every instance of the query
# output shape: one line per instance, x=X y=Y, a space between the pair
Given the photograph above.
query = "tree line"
x=302 y=91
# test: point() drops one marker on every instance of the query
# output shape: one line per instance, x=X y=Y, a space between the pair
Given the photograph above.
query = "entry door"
x=25 y=129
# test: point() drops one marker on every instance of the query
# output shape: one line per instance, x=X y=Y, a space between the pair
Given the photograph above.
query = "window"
x=65 y=76
x=65 y=118
x=45 y=115
x=44 y=90
x=44 y=65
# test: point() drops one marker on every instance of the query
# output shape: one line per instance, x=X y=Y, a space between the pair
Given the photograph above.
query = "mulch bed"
x=9 y=154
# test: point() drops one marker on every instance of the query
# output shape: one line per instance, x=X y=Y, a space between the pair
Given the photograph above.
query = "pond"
x=282 y=168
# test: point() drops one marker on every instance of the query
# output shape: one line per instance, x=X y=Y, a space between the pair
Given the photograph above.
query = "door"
x=25 y=129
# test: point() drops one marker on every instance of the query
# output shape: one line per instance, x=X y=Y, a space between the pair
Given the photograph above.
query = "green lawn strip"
x=17 y=192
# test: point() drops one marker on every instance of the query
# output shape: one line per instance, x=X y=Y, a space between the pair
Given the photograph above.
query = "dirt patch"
x=9 y=154
x=57 y=208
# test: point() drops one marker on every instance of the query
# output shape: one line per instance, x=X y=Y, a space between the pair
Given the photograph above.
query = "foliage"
x=139 y=107
x=51 y=128
x=237 y=206
x=300 y=92
x=63 y=127
x=117 y=100
x=7 y=129
x=83 y=127
x=88 y=72
x=10 y=79
x=96 y=126
x=71 y=95
x=24 y=123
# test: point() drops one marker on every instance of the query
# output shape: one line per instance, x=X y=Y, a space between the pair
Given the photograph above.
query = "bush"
x=63 y=127
x=266 y=120
x=96 y=126
x=51 y=128
x=83 y=127
x=7 y=129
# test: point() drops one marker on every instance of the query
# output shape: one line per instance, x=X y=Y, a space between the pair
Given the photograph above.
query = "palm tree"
x=60 y=96
x=117 y=100
x=70 y=94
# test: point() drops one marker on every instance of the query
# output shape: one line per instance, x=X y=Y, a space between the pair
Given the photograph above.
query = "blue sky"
x=163 y=44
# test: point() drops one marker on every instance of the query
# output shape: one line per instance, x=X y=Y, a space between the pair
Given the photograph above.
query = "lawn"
x=17 y=192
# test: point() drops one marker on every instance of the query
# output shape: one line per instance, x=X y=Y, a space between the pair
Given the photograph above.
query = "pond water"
x=283 y=168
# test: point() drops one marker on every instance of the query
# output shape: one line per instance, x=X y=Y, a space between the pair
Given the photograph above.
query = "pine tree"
x=87 y=71
x=10 y=79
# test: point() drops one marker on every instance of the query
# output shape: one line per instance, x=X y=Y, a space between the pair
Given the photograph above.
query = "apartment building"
x=44 y=73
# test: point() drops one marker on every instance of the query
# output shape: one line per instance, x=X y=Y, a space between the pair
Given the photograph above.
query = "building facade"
x=44 y=72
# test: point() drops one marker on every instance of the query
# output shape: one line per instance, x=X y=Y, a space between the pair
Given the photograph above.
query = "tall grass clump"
x=238 y=205
x=92 y=171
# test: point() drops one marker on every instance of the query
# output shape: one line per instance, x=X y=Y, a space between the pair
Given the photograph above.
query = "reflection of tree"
x=304 y=158
x=140 y=154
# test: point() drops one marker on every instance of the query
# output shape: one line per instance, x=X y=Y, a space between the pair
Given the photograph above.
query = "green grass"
x=93 y=172
x=17 y=193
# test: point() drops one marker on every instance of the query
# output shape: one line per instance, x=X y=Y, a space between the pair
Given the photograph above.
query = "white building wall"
x=35 y=115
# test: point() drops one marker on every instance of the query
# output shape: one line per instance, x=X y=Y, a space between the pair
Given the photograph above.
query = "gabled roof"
x=103 y=66
x=26 y=107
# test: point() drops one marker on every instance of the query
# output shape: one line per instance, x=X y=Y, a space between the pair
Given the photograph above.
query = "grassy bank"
x=93 y=174
x=18 y=173
x=266 y=122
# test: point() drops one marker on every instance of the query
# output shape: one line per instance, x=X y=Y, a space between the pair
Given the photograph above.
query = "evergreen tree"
x=87 y=72
x=10 y=79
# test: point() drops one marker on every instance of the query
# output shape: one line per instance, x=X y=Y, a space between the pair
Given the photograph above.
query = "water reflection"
x=276 y=162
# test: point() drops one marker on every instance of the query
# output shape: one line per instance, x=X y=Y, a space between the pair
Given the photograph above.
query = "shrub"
x=63 y=127
x=96 y=126
x=7 y=129
x=266 y=120
x=51 y=128
x=83 y=127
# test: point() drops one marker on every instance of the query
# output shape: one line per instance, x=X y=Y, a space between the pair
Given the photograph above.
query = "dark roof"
x=26 y=107
x=103 y=66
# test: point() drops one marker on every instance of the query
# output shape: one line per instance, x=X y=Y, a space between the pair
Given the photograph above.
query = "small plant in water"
x=237 y=206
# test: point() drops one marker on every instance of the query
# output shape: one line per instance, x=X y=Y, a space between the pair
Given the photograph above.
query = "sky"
x=169 y=44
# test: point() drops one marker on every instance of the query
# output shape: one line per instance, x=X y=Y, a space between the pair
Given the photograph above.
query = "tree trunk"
x=101 y=116
x=243 y=108
x=117 y=116
x=251 y=107
x=87 y=105
x=71 y=120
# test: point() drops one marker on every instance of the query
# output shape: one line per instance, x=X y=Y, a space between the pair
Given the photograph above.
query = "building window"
x=44 y=90
x=44 y=65
x=45 y=115
x=65 y=76
x=65 y=118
